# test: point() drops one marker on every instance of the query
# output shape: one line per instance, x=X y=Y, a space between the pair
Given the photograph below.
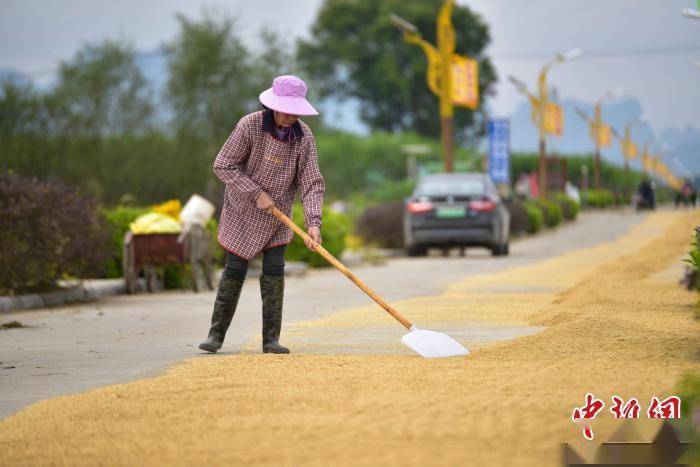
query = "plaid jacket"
x=253 y=160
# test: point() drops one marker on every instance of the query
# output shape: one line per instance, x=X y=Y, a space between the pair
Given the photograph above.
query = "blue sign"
x=499 y=150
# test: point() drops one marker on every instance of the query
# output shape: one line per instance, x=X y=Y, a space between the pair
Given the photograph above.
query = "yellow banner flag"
x=553 y=119
x=630 y=150
x=465 y=82
x=659 y=166
x=604 y=135
x=601 y=134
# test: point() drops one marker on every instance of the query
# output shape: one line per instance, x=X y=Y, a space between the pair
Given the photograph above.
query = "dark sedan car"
x=461 y=210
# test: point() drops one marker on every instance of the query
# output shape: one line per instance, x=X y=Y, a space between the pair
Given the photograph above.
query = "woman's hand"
x=264 y=202
x=315 y=234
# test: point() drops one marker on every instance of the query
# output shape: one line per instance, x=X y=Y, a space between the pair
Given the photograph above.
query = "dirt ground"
x=609 y=319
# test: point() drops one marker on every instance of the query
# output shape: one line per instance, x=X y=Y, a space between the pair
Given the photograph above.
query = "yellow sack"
x=155 y=222
x=172 y=208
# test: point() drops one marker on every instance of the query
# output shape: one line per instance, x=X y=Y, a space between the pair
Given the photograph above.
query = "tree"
x=101 y=92
x=19 y=107
x=210 y=86
x=356 y=52
x=273 y=60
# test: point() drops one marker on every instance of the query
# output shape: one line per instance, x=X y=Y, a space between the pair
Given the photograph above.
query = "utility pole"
x=442 y=62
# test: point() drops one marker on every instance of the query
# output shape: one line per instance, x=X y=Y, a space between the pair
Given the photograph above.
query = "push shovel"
x=428 y=344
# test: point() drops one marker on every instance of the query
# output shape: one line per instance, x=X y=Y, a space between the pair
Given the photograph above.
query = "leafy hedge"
x=688 y=389
x=551 y=211
x=568 y=206
x=50 y=231
x=612 y=176
x=598 y=198
x=535 y=217
x=335 y=228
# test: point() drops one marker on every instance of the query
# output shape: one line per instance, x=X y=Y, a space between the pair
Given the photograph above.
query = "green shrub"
x=597 y=199
x=688 y=389
x=568 y=206
x=333 y=232
x=612 y=176
x=535 y=218
x=50 y=231
x=390 y=190
x=551 y=211
x=693 y=261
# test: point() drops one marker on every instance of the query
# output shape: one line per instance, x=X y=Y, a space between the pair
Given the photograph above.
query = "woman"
x=268 y=157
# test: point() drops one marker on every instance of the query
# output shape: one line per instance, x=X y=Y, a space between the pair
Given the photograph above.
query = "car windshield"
x=457 y=186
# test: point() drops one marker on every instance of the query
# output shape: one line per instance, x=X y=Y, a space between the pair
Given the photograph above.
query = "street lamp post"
x=598 y=123
x=539 y=104
x=629 y=149
x=450 y=76
x=597 y=126
x=442 y=57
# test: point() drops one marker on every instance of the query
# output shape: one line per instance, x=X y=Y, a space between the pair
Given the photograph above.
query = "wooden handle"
x=339 y=266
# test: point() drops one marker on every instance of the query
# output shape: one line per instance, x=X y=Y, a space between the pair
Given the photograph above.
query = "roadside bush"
x=568 y=206
x=50 y=230
x=688 y=389
x=551 y=211
x=692 y=278
x=535 y=218
x=519 y=218
x=382 y=225
x=333 y=231
x=390 y=190
x=597 y=198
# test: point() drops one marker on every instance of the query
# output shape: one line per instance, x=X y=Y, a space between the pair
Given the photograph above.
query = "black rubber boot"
x=224 y=307
x=272 y=293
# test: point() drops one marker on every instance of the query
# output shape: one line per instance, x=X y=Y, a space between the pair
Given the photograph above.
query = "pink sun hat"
x=288 y=95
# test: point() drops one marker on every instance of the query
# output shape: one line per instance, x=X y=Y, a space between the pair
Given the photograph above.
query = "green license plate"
x=450 y=213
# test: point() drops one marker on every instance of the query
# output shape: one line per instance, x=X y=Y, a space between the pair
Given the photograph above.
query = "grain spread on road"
x=614 y=324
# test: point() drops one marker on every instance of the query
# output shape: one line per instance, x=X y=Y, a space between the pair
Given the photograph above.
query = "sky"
x=644 y=46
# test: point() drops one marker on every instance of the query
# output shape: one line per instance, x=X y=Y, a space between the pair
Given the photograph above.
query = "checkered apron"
x=251 y=161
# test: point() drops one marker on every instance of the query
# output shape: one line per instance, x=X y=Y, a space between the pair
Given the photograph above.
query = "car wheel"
x=416 y=250
x=499 y=249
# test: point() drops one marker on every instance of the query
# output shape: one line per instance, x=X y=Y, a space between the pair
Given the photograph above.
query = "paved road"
x=123 y=338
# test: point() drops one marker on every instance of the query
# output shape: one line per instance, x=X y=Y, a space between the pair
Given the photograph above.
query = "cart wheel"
x=155 y=278
x=129 y=264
